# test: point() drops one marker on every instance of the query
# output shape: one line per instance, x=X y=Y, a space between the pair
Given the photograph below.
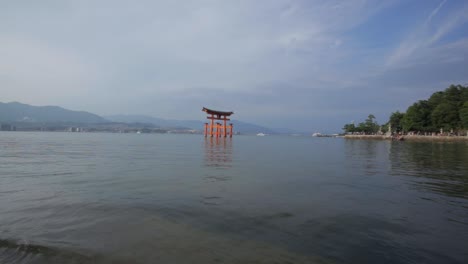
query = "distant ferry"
x=324 y=135
x=260 y=134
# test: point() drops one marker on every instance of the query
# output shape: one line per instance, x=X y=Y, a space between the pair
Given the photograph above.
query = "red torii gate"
x=217 y=130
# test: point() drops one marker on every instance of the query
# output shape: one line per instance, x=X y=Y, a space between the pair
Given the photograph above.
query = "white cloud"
x=426 y=36
x=230 y=45
x=156 y=57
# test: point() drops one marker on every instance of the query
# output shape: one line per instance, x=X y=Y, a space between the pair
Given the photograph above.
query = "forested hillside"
x=444 y=110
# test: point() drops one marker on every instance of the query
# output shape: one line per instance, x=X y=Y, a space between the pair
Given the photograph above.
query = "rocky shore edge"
x=410 y=137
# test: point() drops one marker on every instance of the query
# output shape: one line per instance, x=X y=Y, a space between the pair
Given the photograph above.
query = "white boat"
x=316 y=134
x=260 y=134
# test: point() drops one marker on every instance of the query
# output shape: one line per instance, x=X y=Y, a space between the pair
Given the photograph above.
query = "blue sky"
x=310 y=65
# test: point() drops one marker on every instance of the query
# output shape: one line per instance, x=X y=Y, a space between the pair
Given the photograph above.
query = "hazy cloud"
x=272 y=62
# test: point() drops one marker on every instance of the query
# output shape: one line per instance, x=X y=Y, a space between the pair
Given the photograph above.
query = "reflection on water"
x=218 y=152
x=124 y=198
x=367 y=156
x=422 y=186
x=439 y=167
x=218 y=161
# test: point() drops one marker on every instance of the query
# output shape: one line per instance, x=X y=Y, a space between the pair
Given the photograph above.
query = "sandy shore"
x=412 y=137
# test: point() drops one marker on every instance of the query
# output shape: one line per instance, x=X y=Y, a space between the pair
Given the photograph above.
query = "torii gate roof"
x=214 y=112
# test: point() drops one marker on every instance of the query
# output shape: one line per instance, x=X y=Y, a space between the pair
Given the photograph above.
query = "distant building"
x=75 y=129
x=7 y=127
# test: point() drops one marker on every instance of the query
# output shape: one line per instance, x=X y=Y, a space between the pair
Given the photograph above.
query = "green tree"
x=369 y=126
x=370 y=119
x=464 y=115
x=362 y=128
x=453 y=95
x=396 y=119
x=418 y=117
x=444 y=109
x=349 y=128
x=445 y=116
x=464 y=94
x=435 y=99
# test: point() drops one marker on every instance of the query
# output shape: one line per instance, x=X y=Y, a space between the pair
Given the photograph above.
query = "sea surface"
x=162 y=198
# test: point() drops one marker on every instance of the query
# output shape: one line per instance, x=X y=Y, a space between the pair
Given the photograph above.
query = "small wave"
x=19 y=252
x=12 y=251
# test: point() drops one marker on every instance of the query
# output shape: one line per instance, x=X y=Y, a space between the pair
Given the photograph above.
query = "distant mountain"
x=248 y=128
x=143 y=119
x=18 y=112
x=239 y=126
x=27 y=114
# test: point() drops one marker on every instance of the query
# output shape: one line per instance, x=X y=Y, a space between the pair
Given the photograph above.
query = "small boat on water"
x=261 y=135
x=316 y=134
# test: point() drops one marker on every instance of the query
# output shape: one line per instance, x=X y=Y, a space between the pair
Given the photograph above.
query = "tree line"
x=444 y=110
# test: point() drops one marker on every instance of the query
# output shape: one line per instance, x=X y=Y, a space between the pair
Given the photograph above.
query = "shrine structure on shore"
x=217 y=129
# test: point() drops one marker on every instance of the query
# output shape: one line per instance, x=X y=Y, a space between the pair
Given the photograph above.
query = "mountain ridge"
x=19 y=112
x=16 y=112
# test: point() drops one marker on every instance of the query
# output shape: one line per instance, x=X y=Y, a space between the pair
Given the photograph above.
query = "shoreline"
x=409 y=137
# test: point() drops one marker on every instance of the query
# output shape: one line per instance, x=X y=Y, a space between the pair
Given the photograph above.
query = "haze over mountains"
x=15 y=112
x=18 y=112
x=239 y=126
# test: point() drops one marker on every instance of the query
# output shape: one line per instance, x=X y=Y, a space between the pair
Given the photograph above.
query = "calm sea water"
x=137 y=198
